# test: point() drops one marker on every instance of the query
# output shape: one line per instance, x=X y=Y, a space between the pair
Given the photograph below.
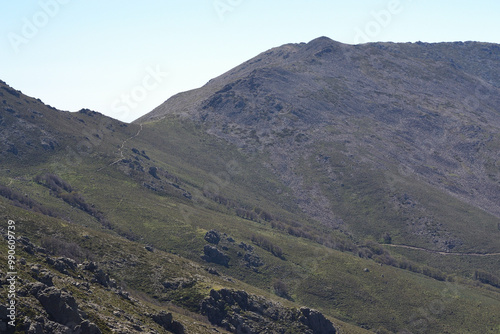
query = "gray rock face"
x=166 y=321
x=60 y=305
x=316 y=321
x=239 y=312
x=101 y=277
x=212 y=254
x=87 y=327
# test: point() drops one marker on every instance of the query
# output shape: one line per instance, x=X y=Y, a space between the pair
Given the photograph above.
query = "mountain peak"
x=322 y=42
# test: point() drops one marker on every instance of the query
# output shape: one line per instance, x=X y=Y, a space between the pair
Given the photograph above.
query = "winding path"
x=442 y=253
x=121 y=148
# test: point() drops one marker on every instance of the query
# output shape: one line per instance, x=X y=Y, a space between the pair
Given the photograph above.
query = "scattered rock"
x=45 y=277
x=123 y=294
x=253 y=260
x=41 y=250
x=248 y=248
x=63 y=264
x=316 y=321
x=35 y=268
x=90 y=266
x=212 y=237
x=213 y=271
x=153 y=171
x=149 y=248
x=34 y=288
x=27 y=245
x=102 y=278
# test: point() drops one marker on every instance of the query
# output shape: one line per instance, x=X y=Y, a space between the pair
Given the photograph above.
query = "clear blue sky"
x=123 y=58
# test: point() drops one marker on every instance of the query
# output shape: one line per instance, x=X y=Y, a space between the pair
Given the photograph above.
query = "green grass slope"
x=174 y=210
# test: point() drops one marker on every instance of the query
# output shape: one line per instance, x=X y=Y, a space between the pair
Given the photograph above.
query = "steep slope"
x=373 y=139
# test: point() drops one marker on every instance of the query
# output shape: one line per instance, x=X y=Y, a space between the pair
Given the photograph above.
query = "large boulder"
x=87 y=327
x=212 y=254
x=316 y=321
x=166 y=320
x=60 y=305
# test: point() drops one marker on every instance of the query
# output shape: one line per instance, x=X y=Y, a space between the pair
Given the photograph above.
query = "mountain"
x=316 y=188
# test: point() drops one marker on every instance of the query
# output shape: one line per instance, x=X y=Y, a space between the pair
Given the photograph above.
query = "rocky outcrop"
x=100 y=276
x=60 y=305
x=62 y=264
x=87 y=327
x=166 y=321
x=239 y=312
x=63 y=311
x=212 y=237
x=252 y=260
x=316 y=321
x=212 y=254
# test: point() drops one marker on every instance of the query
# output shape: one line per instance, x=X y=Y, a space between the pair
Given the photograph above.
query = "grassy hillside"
x=171 y=213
